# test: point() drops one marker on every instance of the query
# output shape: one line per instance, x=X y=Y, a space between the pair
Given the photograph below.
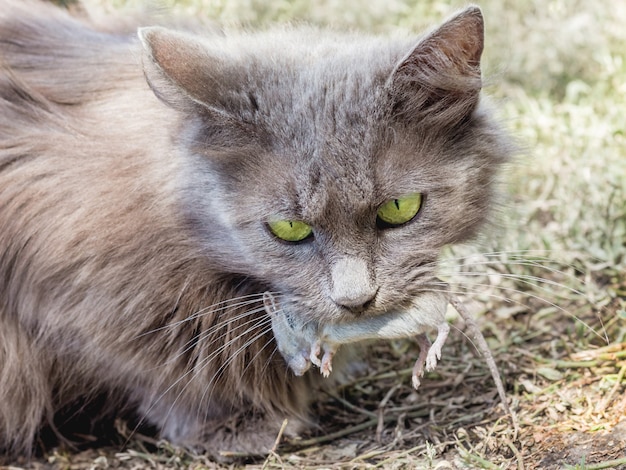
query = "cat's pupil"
x=397 y=203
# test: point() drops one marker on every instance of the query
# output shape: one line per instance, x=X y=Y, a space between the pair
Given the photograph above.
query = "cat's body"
x=134 y=248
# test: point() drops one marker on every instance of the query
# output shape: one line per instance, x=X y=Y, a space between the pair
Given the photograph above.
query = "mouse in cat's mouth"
x=302 y=342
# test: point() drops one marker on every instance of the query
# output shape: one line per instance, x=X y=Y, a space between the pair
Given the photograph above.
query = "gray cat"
x=164 y=198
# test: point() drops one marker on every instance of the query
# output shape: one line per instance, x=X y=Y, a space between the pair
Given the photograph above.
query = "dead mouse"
x=302 y=343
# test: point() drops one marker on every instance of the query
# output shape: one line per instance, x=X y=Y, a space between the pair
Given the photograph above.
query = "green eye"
x=399 y=211
x=290 y=230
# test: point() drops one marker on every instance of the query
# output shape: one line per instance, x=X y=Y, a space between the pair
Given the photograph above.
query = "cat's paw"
x=242 y=437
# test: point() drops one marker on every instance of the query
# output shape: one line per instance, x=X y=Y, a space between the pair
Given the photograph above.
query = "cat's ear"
x=439 y=81
x=185 y=73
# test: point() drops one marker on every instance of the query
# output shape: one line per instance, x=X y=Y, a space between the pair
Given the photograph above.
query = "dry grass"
x=548 y=287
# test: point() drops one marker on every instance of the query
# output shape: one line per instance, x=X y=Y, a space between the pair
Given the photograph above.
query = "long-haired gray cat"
x=183 y=218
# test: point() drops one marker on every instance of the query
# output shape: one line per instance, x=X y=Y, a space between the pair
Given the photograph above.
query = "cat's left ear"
x=439 y=81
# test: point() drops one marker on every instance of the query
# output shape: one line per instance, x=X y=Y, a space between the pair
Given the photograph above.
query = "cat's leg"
x=242 y=435
x=24 y=388
x=224 y=431
x=246 y=435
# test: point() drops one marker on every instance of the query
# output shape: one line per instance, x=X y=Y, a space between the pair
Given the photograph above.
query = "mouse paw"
x=316 y=349
x=430 y=354
x=326 y=362
x=418 y=368
x=434 y=353
x=415 y=381
x=327 y=366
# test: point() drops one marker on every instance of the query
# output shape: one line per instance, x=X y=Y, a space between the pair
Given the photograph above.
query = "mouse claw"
x=418 y=368
x=434 y=353
x=315 y=353
x=429 y=353
x=415 y=381
x=327 y=367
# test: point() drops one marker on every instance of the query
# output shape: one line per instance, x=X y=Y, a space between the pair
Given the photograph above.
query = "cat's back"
x=70 y=93
x=45 y=51
x=82 y=163
x=63 y=83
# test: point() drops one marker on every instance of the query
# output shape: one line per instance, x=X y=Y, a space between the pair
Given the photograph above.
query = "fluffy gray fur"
x=136 y=180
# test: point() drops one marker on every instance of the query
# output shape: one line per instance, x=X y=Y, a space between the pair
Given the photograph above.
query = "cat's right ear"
x=183 y=72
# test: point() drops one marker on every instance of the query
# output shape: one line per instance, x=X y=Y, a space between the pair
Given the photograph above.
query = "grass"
x=548 y=286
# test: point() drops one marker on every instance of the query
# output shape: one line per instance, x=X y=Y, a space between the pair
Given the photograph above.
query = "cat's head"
x=331 y=168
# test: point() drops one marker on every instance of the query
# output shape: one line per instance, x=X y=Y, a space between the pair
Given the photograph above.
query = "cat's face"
x=333 y=170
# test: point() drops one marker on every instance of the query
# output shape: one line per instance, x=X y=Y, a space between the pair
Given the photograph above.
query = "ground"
x=547 y=286
x=570 y=404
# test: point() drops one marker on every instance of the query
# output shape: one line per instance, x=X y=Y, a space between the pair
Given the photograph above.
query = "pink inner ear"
x=454 y=48
x=159 y=45
x=462 y=38
x=182 y=61
x=439 y=82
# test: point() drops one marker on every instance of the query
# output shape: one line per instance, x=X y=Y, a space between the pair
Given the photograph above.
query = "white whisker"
x=189 y=345
x=219 y=307
x=466 y=289
x=202 y=365
x=527 y=280
x=220 y=371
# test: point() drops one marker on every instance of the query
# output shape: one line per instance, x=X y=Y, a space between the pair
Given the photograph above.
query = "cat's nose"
x=352 y=284
x=356 y=304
